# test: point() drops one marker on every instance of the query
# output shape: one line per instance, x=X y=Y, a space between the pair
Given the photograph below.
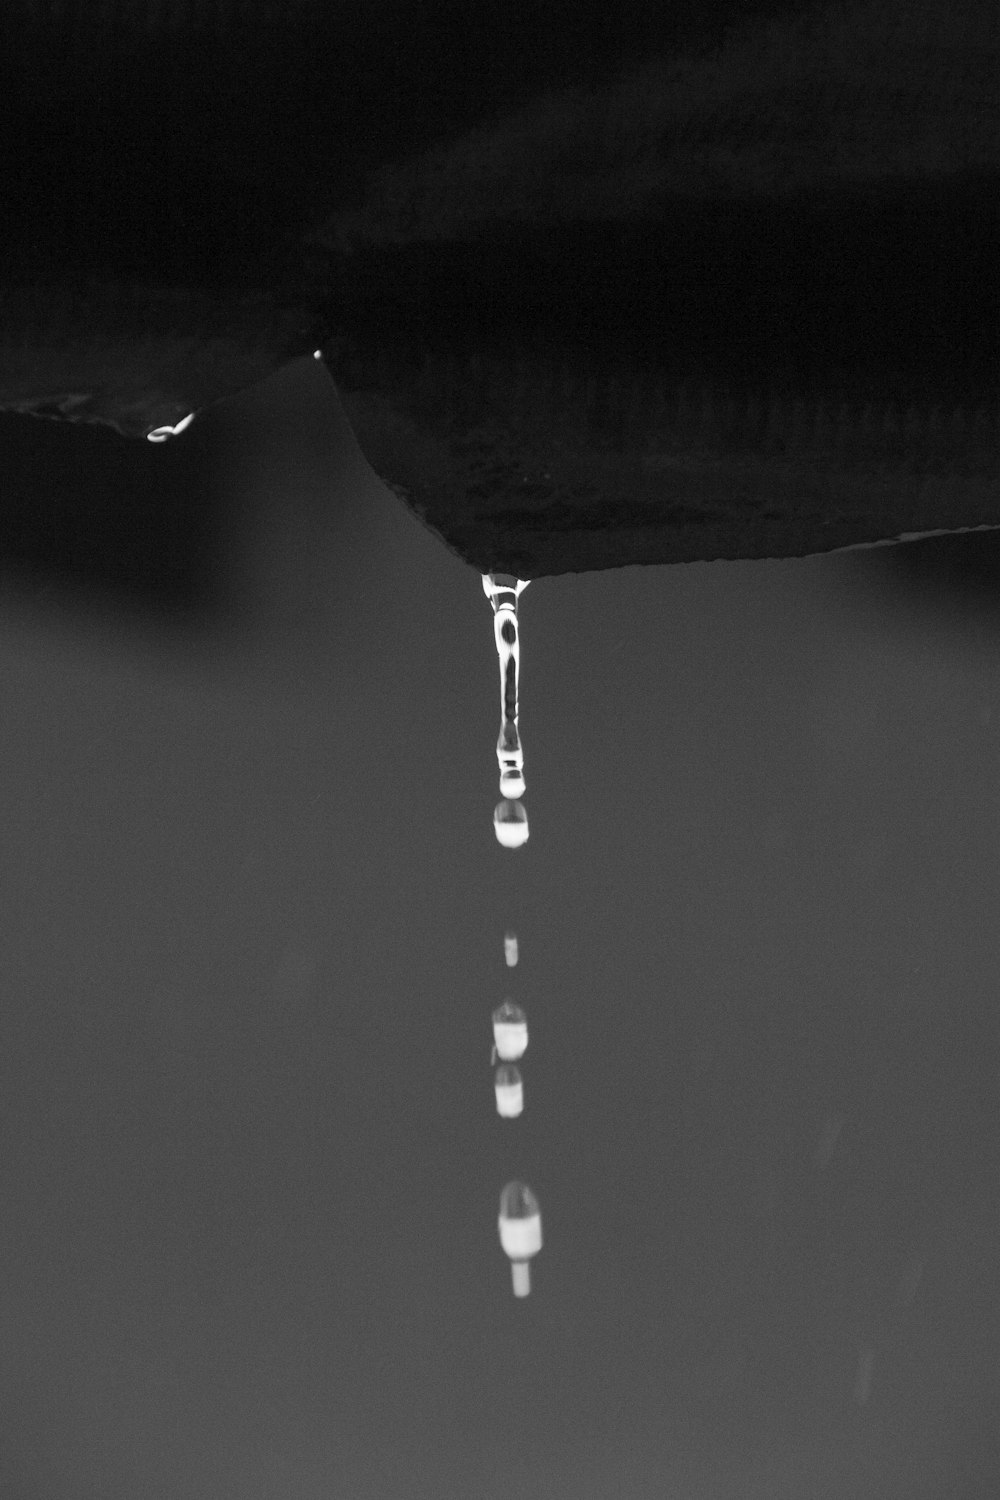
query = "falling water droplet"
x=510 y=757
x=509 y=1088
x=510 y=948
x=520 y=1225
x=909 y=1280
x=510 y=1031
x=160 y=434
x=510 y=824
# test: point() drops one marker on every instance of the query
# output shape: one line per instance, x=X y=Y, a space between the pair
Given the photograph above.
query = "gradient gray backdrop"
x=252 y=914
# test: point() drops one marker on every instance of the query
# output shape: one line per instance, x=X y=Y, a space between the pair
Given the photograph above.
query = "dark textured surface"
x=640 y=287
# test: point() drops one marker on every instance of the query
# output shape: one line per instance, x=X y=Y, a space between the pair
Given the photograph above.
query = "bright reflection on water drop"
x=510 y=1031
x=520 y=1225
x=510 y=824
x=509 y=1091
x=160 y=434
x=510 y=948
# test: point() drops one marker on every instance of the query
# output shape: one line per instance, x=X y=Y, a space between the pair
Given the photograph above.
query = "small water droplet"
x=160 y=434
x=510 y=1031
x=509 y=1088
x=510 y=948
x=520 y=1225
x=510 y=823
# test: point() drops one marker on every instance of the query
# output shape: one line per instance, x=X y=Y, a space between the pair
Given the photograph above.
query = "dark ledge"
x=594 y=290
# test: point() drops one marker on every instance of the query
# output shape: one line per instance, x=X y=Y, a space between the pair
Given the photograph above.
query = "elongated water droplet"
x=510 y=758
x=503 y=591
x=510 y=1031
x=520 y=1225
x=510 y=824
x=510 y=948
x=160 y=434
x=509 y=1087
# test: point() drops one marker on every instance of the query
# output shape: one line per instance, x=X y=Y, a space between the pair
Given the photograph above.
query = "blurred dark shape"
x=93 y=518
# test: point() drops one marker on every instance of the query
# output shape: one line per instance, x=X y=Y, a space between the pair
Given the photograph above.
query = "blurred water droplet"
x=509 y=1088
x=510 y=948
x=510 y=824
x=510 y=758
x=510 y=1031
x=520 y=1225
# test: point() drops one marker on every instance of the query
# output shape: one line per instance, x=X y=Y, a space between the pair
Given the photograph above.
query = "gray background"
x=251 y=921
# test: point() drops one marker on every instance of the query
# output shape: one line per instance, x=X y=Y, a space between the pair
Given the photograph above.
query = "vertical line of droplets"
x=519 y=1222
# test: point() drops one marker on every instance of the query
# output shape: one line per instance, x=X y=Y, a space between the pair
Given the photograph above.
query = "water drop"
x=510 y=824
x=160 y=434
x=510 y=1031
x=510 y=758
x=510 y=948
x=509 y=1088
x=520 y=1225
x=503 y=591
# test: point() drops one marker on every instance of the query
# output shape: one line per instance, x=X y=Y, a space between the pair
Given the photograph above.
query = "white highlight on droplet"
x=510 y=949
x=160 y=434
